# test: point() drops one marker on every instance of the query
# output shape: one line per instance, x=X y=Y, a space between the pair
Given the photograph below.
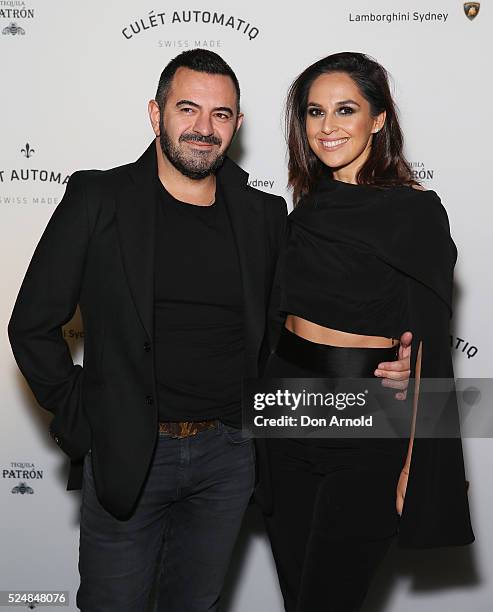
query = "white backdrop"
x=76 y=78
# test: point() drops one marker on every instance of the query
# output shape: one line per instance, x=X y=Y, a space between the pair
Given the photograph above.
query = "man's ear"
x=239 y=121
x=154 y=116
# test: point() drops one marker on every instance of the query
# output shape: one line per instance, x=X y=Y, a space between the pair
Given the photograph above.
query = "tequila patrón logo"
x=23 y=488
x=471 y=9
x=13 y=29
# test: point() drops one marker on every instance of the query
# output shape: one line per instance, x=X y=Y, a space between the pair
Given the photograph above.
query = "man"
x=172 y=266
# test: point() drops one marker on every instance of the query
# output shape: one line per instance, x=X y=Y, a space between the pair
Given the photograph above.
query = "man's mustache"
x=198 y=138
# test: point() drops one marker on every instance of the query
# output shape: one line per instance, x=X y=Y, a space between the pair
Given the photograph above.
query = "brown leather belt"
x=184 y=429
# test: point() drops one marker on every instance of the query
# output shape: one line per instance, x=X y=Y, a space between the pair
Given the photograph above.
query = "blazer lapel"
x=245 y=210
x=136 y=218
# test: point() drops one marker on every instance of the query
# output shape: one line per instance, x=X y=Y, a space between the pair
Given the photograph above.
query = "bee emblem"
x=13 y=29
x=23 y=488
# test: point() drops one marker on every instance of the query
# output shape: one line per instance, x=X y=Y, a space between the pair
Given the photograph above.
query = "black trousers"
x=334 y=514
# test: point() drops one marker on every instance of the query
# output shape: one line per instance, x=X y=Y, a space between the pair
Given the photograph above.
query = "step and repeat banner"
x=75 y=81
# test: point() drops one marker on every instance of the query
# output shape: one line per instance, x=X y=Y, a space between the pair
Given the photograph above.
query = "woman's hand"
x=401 y=489
x=395 y=374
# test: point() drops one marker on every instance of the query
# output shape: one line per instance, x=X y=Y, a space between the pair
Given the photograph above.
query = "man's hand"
x=396 y=374
x=401 y=489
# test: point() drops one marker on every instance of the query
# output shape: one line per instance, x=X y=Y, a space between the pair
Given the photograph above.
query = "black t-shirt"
x=198 y=313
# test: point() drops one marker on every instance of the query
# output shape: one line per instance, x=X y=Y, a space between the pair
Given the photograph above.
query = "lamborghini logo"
x=471 y=9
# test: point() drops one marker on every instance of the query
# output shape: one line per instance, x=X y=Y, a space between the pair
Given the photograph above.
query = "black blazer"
x=98 y=251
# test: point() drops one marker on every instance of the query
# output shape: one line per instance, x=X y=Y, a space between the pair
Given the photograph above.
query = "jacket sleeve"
x=47 y=300
x=274 y=315
x=436 y=509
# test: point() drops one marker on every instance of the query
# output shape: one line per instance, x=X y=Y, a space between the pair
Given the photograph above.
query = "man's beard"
x=194 y=164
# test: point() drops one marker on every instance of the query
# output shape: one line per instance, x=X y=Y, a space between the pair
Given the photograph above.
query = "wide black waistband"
x=332 y=361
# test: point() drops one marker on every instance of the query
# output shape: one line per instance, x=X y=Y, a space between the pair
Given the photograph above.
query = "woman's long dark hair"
x=386 y=165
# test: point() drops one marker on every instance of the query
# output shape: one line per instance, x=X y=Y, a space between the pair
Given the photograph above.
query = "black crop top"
x=332 y=273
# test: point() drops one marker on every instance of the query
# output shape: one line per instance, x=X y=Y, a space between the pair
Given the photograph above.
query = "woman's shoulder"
x=416 y=191
x=421 y=204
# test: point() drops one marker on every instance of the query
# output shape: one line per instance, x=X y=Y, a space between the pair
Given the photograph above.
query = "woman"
x=368 y=256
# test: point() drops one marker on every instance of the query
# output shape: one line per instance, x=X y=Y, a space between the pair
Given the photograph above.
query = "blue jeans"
x=173 y=553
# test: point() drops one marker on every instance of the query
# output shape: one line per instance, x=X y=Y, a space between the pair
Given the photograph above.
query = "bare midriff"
x=334 y=337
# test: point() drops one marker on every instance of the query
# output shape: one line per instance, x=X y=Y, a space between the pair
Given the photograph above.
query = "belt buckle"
x=185 y=429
